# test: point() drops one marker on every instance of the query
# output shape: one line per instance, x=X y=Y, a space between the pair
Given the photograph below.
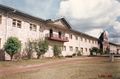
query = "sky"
x=87 y=16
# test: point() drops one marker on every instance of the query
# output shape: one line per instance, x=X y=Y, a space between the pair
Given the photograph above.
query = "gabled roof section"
x=59 y=23
x=64 y=22
x=21 y=13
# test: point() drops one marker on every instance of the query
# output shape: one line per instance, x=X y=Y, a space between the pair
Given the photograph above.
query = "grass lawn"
x=95 y=68
x=4 y=64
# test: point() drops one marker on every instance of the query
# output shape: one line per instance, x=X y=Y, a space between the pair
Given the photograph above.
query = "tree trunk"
x=11 y=57
x=38 y=56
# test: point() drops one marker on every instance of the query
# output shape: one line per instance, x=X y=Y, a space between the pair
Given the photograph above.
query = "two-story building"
x=58 y=32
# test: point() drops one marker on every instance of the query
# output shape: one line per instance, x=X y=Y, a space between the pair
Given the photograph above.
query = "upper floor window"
x=89 y=41
x=33 y=27
x=70 y=36
x=17 y=23
x=41 y=29
x=0 y=19
x=81 y=39
x=76 y=37
x=93 y=41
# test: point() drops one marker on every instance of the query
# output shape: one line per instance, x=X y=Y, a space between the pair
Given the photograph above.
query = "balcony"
x=56 y=37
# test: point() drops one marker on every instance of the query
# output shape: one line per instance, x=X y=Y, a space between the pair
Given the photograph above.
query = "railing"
x=56 y=37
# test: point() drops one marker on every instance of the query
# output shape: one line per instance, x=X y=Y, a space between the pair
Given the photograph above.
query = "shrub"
x=74 y=54
x=94 y=50
x=41 y=47
x=79 y=53
x=12 y=46
x=56 y=51
x=29 y=49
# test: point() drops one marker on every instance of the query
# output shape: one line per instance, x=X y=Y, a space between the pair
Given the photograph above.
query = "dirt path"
x=19 y=69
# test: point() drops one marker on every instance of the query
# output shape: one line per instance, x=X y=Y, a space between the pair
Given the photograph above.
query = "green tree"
x=41 y=47
x=56 y=51
x=94 y=50
x=29 y=49
x=12 y=46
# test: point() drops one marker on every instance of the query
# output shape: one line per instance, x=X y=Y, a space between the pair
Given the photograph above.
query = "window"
x=70 y=36
x=64 y=48
x=41 y=29
x=89 y=41
x=86 y=49
x=33 y=27
x=93 y=41
x=71 y=48
x=76 y=37
x=14 y=22
x=81 y=39
x=17 y=23
x=0 y=19
x=76 y=49
x=81 y=49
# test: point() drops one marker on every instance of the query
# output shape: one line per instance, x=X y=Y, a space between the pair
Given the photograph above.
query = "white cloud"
x=91 y=16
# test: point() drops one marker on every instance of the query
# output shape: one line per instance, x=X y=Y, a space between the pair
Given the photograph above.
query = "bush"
x=79 y=53
x=56 y=51
x=29 y=49
x=12 y=46
x=94 y=50
x=41 y=47
x=74 y=54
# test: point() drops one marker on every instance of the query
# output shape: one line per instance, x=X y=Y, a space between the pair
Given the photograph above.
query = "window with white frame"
x=76 y=37
x=33 y=27
x=76 y=49
x=64 y=48
x=17 y=23
x=40 y=29
x=71 y=48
